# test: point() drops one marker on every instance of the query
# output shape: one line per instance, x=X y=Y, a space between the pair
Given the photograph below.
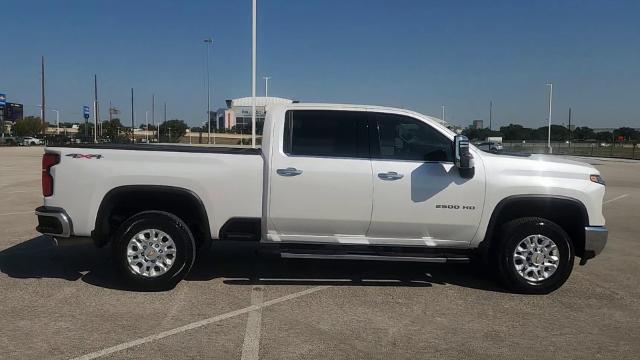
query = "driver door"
x=419 y=198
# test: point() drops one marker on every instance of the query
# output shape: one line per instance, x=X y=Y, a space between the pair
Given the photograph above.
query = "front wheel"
x=535 y=256
x=154 y=250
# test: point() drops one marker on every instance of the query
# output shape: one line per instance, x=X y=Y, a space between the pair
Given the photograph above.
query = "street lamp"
x=57 y=121
x=266 y=85
x=146 y=123
x=209 y=42
x=550 y=85
x=253 y=75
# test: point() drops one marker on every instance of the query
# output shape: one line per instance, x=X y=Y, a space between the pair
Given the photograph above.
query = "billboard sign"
x=3 y=100
x=85 y=112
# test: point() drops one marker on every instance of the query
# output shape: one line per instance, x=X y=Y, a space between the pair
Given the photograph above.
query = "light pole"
x=146 y=123
x=209 y=42
x=550 y=85
x=266 y=85
x=57 y=120
x=253 y=76
x=153 y=113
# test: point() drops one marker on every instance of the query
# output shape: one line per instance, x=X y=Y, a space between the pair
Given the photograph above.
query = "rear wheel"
x=535 y=256
x=154 y=250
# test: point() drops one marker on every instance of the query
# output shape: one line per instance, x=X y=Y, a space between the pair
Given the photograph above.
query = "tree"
x=584 y=133
x=604 y=136
x=479 y=134
x=628 y=133
x=558 y=133
x=115 y=131
x=29 y=126
x=89 y=126
x=172 y=130
x=516 y=132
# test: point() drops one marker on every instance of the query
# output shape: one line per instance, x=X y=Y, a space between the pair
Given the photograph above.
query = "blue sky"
x=413 y=54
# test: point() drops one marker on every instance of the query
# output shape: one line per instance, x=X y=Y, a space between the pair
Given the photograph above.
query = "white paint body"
x=334 y=200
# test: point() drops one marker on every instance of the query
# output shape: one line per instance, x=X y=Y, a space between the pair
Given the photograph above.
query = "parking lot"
x=66 y=302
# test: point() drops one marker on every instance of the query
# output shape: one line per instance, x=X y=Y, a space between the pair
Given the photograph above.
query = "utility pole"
x=490 y=115
x=266 y=85
x=95 y=108
x=42 y=100
x=133 y=122
x=443 y=114
x=550 y=100
x=165 y=120
x=253 y=76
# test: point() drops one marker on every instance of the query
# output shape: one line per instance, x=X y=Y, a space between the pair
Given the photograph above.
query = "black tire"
x=513 y=233
x=172 y=226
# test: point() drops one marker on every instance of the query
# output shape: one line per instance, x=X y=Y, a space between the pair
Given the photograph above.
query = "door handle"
x=390 y=175
x=289 y=172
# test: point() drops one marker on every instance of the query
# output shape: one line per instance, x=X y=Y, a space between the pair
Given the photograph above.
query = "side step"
x=328 y=256
x=373 y=252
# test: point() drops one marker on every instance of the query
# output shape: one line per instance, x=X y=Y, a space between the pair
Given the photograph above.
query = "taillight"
x=48 y=161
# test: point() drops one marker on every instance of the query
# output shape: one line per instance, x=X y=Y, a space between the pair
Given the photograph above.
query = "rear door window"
x=326 y=133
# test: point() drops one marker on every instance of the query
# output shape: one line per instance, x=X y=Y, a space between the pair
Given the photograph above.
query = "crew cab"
x=330 y=181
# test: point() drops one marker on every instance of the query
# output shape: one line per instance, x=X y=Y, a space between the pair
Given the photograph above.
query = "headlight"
x=597 y=179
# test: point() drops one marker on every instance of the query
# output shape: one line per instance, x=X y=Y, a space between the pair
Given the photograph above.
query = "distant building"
x=477 y=124
x=237 y=115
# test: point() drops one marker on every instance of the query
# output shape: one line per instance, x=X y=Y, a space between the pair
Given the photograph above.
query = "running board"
x=426 y=259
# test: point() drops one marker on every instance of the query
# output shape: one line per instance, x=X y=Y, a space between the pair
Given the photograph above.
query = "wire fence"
x=613 y=150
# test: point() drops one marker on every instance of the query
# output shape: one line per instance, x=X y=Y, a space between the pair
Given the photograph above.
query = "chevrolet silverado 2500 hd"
x=330 y=181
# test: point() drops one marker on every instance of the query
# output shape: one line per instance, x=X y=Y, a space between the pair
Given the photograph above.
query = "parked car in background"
x=30 y=141
x=9 y=140
x=490 y=146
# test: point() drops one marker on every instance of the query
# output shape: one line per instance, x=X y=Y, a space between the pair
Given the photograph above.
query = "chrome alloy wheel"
x=151 y=253
x=536 y=258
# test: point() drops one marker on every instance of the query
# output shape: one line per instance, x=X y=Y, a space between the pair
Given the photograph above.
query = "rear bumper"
x=54 y=221
x=595 y=239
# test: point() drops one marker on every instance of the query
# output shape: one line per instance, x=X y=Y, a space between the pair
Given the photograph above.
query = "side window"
x=405 y=138
x=326 y=133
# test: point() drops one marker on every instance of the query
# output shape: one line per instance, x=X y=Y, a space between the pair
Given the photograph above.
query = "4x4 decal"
x=85 y=156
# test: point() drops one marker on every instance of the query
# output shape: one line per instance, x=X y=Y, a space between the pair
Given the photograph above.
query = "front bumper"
x=54 y=221
x=595 y=239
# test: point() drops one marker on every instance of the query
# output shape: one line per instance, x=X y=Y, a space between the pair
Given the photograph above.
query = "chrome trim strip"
x=289 y=255
x=62 y=218
x=595 y=239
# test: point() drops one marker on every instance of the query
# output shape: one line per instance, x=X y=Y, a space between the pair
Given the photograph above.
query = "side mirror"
x=464 y=159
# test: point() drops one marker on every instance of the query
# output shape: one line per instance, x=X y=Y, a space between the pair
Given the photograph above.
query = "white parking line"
x=18 y=213
x=616 y=198
x=197 y=324
x=251 y=344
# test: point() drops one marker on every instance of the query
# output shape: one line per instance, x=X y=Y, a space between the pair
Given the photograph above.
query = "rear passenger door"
x=321 y=180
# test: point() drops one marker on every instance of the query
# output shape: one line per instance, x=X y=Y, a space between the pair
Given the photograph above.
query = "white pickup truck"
x=330 y=182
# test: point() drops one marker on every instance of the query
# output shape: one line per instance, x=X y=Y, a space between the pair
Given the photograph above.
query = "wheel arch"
x=569 y=213
x=124 y=201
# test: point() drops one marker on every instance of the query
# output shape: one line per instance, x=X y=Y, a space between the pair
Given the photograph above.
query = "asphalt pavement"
x=66 y=302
